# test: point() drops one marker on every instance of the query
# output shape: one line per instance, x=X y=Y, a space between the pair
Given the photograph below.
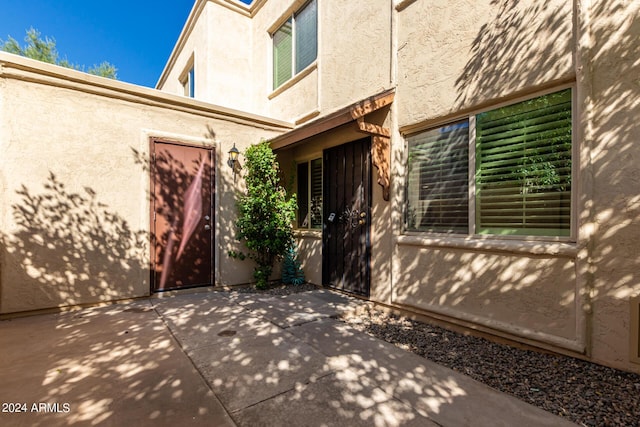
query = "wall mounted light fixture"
x=233 y=159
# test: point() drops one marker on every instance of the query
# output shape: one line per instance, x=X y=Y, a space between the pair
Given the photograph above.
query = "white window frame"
x=187 y=79
x=294 y=74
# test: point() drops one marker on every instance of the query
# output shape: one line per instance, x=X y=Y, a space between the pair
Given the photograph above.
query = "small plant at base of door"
x=292 y=273
x=265 y=213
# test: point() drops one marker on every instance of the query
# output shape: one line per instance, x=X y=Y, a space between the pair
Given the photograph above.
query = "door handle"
x=207 y=227
x=207 y=218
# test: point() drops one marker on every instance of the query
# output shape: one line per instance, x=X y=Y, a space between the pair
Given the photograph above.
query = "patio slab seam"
x=178 y=343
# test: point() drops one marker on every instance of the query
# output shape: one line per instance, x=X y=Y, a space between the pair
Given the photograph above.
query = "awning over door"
x=355 y=113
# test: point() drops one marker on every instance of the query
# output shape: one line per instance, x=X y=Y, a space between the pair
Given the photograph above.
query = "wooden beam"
x=373 y=129
x=333 y=120
x=372 y=104
x=381 y=158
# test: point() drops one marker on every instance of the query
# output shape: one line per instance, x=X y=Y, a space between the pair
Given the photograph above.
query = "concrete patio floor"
x=223 y=359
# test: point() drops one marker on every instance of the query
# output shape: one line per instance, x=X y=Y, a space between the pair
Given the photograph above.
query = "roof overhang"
x=354 y=113
x=351 y=113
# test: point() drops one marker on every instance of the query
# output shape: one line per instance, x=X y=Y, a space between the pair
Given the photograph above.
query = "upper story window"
x=295 y=44
x=188 y=83
x=310 y=194
x=521 y=179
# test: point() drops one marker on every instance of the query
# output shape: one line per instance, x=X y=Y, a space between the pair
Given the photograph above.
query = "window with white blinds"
x=523 y=172
x=306 y=36
x=310 y=194
x=295 y=44
x=438 y=196
x=282 y=54
x=523 y=176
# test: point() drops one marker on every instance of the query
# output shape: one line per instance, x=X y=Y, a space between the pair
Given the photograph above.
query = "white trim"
x=186 y=77
x=308 y=159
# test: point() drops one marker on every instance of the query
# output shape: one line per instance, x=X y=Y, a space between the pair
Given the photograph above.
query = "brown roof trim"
x=333 y=120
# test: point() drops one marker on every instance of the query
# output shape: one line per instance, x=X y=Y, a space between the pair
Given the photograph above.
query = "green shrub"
x=265 y=213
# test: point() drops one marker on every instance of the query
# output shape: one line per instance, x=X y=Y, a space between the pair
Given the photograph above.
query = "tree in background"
x=265 y=213
x=45 y=50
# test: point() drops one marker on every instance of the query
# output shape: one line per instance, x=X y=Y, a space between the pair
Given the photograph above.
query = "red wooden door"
x=182 y=216
x=346 y=222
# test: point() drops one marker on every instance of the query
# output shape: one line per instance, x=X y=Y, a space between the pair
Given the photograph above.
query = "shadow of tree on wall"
x=614 y=153
x=517 y=49
x=528 y=47
x=70 y=248
x=181 y=208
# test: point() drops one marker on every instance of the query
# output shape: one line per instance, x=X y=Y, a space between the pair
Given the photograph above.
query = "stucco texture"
x=74 y=175
x=615 y=168
x=530 y=295
x=461 y=54
x=446 y=60
x=354 y=64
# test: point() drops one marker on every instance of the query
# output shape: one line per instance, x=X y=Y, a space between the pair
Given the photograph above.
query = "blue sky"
x=137 y=36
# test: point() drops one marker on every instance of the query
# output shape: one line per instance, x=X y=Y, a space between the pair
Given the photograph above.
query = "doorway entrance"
x=346 y=217
x=182 y=216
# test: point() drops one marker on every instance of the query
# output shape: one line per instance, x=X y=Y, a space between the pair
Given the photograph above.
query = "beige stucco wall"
x=534 y=296
x=613 y=214
x=190 y=50
x=74 y=182
x=232 y=46
x=354 y=51
x=229 y=69
x=448 y=60
x=217 y=40
x=461 y=57
x=457 y=55
x=455 y=58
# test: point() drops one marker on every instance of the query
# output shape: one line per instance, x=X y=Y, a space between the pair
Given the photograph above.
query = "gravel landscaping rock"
x=583 y=392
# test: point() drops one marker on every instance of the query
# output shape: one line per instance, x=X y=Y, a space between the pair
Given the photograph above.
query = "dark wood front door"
x=346 y=217
x=182 y=216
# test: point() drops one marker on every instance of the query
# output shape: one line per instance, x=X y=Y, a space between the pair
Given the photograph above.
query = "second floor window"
x=188 y=83
x=295 y=44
